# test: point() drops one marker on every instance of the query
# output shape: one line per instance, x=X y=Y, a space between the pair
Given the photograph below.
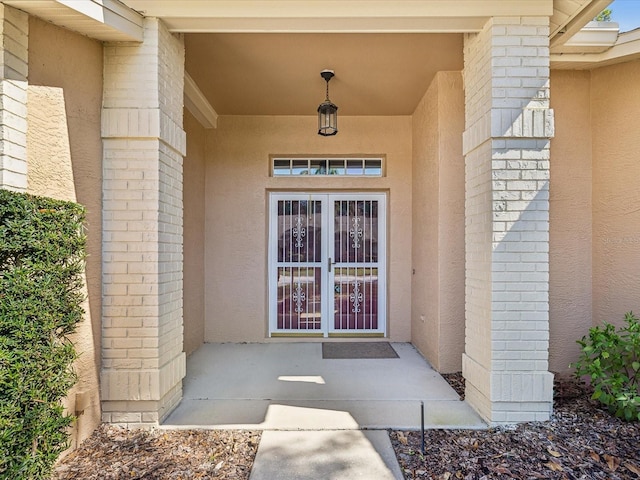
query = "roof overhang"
x=626 y=48
x=594 y=37
x=106 y=20
x=122 y=20
x=570 y=16
x=339 y=16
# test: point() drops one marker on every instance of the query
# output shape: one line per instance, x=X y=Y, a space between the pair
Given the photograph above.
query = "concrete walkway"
x=316 y=414
x=326 y=454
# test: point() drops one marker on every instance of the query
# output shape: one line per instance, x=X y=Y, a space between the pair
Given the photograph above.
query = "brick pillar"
x=142 y=359
x=506 y=147
x=14 y=36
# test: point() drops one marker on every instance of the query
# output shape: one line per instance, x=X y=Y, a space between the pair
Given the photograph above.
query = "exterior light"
x=327 y=111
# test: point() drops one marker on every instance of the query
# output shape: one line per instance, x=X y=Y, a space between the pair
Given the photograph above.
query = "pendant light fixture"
x=327 y=111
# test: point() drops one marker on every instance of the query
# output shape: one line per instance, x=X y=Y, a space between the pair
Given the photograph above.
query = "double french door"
x=327 y=264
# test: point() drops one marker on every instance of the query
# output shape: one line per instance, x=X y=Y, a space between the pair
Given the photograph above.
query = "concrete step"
x=267 y=414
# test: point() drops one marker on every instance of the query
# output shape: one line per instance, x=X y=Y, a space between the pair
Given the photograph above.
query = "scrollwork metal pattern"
x=356 y=297
x=298 y=297
x=356 y=232
x=299 y=232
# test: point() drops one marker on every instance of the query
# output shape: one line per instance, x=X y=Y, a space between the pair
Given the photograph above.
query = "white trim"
x=326 y=25
x=343 y=171
x=340 y=8
x=106 y=20
x=595 y=37
x=198 y=105
x=335 y=15
x=566 y=30
x=626 y=48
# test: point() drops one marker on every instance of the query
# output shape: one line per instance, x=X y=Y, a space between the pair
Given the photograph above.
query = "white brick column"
x=142 y=359
x=506 y=147
x=14 y=37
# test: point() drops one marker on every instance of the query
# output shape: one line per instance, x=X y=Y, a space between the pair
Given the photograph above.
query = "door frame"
x=327 y=225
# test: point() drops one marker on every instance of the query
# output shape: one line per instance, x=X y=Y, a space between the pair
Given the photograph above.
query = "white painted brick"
x=517 y=100
x=143 y=143
x=520 y=31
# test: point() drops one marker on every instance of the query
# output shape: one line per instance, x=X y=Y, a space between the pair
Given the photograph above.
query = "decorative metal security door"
x=327 y=264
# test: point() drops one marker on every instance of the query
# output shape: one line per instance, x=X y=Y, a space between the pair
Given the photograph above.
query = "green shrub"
x=611 y=361
x=41 y=264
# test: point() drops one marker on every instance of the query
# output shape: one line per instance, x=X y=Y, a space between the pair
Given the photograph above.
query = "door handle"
x=329 y=264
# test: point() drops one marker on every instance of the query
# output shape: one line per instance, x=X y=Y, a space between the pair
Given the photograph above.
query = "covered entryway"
x=179 y=231
x=327 y=265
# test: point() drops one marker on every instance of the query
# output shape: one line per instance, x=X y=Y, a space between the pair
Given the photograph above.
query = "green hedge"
x=41 y=293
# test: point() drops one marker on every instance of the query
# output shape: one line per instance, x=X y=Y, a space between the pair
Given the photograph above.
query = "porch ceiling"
x=263 y=57
x=279 y=74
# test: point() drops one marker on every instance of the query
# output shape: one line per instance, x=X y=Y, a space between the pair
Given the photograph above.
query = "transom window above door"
x=350 y=167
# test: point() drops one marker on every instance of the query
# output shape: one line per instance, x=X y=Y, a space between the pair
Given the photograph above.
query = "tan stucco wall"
x=194 y=223
x=594 y=204
x=236 y=206
x=64 y=161
x=425 y=312
x=570 y=217
x=437 y=323
x=615 y=114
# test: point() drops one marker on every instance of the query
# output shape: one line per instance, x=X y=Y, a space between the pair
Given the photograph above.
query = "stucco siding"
x=194 y=223
x=425 y=321
x=438 y=224
x=615 y=107
x=64 y=159
x=451 y=231
x=595 y=210
x=570 y=218
x=238 y=183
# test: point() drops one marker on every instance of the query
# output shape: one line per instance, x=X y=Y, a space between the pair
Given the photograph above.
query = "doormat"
x=347 y=350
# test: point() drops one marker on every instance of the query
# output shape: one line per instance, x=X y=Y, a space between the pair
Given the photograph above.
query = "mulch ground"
x=581 y=441
x=117 y=453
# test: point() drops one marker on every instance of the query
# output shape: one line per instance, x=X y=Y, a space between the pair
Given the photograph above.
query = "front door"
x=327 y=264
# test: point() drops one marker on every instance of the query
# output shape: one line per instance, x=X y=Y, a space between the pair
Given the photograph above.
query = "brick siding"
x=506 y=146
x=144 y=144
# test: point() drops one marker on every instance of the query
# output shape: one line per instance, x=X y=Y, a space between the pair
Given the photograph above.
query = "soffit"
x=626 y=48
x=107 y=20
x=569 y=16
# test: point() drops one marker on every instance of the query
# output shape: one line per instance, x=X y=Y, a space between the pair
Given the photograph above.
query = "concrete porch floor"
x=289 y=386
